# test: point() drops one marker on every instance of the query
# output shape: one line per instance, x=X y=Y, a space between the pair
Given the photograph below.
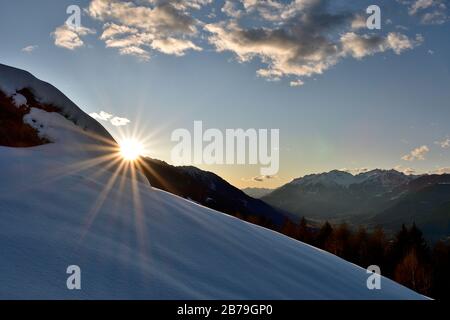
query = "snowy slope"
x=13 y=80
x=145 y=244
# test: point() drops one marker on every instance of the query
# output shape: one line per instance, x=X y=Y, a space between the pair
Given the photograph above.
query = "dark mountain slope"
x=209 y=190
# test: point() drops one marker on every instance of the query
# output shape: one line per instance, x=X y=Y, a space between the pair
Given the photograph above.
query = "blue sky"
x=367 y=104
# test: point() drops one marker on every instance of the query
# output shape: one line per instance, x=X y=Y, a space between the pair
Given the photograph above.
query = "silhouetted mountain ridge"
x=210 y=190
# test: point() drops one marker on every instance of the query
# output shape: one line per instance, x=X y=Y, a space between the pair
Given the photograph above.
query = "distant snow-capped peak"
x=345 y=179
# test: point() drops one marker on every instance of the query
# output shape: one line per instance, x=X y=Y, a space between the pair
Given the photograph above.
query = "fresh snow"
x=19 y=100
x=52 y=126
x=146 y=244
x=13 y=80
x=171 y=249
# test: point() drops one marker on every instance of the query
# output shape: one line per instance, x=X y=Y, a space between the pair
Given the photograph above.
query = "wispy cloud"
x=444 y=144
x=230 y=8
x=260 y=178
x=405 y=170
x=443 y=170
x=417 y=154
x=429 y=11
x=29 y=49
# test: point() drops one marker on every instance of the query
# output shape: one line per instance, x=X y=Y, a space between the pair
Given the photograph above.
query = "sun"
x=131 y=149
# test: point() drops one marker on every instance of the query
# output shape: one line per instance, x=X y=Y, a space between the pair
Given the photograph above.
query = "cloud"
x=69 y=37
x=296 y=83
x=111 y=30
x=359 y=46
x=174 y=46
x=444 y=170
x=444 y=144
x=417 y=154
x=435 y=17
x=138 y=28
x=135 y=51
x=29 y=49
x=102 y=115
x=359 y=22
x=300 y=38
x=419 y=5
x=401 y=27
x=230 y=9
x=429 y=11
x=105 y=116
x=407 y=171
x=118 y=122
x=260 y=178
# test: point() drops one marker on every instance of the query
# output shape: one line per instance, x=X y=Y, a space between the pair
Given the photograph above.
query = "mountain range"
x=257 y=193
x=379 y=197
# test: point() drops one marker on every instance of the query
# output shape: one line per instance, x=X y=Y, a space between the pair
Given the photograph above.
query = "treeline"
x=406 y=257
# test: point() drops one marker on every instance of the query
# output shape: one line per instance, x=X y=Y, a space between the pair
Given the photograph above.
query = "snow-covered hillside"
x=61 y=208
x=12 y=80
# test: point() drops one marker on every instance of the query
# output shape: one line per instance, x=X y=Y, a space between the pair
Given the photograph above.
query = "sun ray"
x=138 y=212
x=100 y=200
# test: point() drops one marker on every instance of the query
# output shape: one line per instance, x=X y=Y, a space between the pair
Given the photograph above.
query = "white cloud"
x=118 y=122
x=359 y=46
x=137 y=28
x=110 y=30
x=174 y=46
x=29 y=49
x=399 y=42
x=114 y=120
x=296 y=83
x=417 y=154
x=102 y=115
x=135 y=51
x=70 y=38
